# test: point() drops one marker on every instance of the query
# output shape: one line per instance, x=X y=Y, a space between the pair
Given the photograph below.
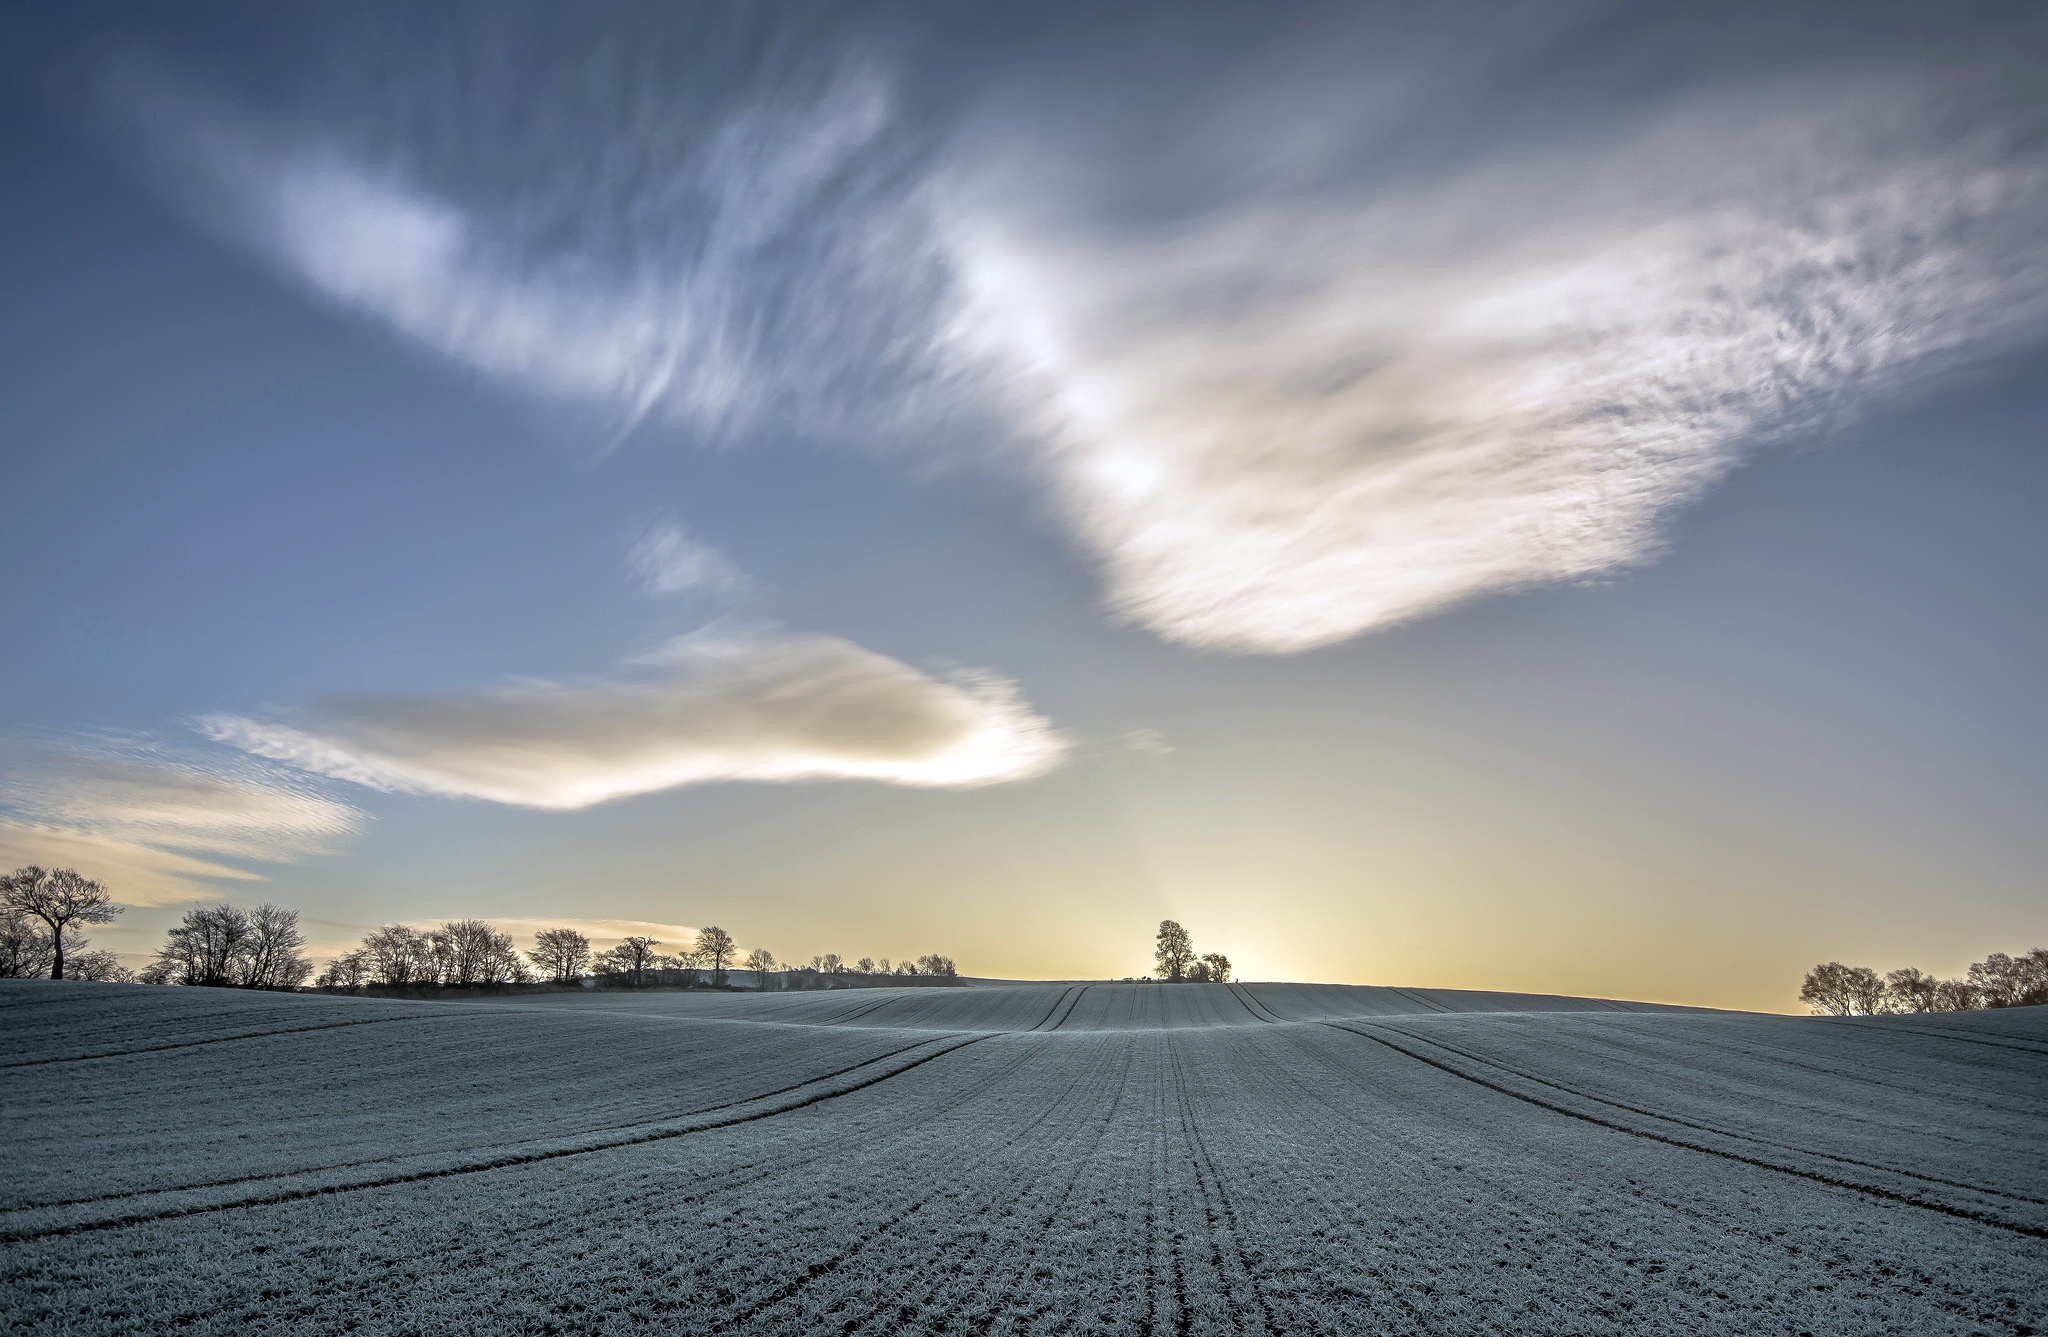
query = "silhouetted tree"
x=1910 y=990
x=474 y=951
x=633 y=958
x=269 y=956
x=60 y=897
x=1173 y=952
x=761 y=961
x=1198 y=972
x=2012 y=981
x=24 y=945
x=1955 y=996
x=906 y=967
x=206 y=949
x=562 y=954
x=1219 y=967
x=401 y=955
x=831 y=963
x=1843 y=991
x=941 y=967
x=866 y=965
x=714 y=948
x=350 y=970
x=882 y=966
x=96 y=963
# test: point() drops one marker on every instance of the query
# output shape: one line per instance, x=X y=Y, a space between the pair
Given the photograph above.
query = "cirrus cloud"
x=703 y=708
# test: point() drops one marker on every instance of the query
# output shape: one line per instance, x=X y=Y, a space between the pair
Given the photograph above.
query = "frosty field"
x=1262 y=1158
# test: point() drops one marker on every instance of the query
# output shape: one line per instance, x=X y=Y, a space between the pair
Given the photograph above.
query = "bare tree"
x=882 y=966
x=866 y=965
x=476 y=952
x=206 y=949
x=906 y=967
x=24 y=945
x=714 y=948
x=561 y=953
x=1218 y=967
x=1198 y=972
x=760 y=961
x=1909 y=989
x=2012 y=981
x=97 y=963
x=1843 y=991
x=1173 y=952
x=633 y=958
x=940 y=966
x=831 y=963
x=270 y=957
x=59 y=897
x=1956 y=996
x=350 y=971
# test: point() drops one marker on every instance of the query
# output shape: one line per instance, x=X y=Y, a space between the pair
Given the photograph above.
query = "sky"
x=1535 y=497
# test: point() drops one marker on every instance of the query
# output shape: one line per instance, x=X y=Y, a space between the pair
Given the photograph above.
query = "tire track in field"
x=1069 y=1015
x=1208 y=1181
x=298 y=1171
x=487 y=1164
x=226 y=1039
x=1008 y=1294
x=922 y=1313
x=1870 y=1190
x=813 y=1272
x=1245 y=992
x=1049 y=1011
x=1713 y=1128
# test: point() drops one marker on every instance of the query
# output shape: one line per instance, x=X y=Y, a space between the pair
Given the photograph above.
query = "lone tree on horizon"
x=59 y=897
x=714 y=948
x=1174 y=953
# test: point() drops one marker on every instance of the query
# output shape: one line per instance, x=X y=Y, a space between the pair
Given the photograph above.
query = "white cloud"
x=155 y=824
x=702 y=709
x=1306 y=401
x=667 y=560
x=1297 y=416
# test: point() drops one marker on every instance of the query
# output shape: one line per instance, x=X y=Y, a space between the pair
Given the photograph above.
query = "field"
x=1264 y=1158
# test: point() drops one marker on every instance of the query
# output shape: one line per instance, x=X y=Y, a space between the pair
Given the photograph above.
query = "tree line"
x=1998 y=980
x=1174 y=959
x=473 y=952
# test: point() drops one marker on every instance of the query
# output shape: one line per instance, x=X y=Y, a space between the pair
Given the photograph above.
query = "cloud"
x=666 y=560
x=1280 y=405
x=154 y=823
x=704 y=708
x=1294 y=415
x=714 y=270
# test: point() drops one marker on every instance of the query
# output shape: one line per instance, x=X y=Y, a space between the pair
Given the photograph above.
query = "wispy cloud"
x=156 y=823
x=1280 y=407
x=1289 y=417
x=704 y=708
x=667 y=560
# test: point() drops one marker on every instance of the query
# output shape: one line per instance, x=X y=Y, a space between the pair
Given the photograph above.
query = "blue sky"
x=1542 y=499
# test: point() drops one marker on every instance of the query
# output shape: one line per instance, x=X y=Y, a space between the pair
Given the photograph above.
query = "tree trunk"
x=56 y=951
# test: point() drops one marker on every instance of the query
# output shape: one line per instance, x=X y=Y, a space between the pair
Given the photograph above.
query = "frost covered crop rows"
x=1099 y=1158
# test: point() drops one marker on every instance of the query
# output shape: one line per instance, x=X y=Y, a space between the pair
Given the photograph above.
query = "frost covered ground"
x=1037 y=1158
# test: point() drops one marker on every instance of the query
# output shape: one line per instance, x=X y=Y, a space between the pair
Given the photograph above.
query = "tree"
x=1198 y=972
x=59 y=897
x=1955 y=996
x=476 y=952
x=270 y=957
x=400 y=955
x=97 y=964
x=24 y=945
x=1910 y=990
x=1843 y=991
x=906 y=967
x=714 y=948
x=831 y=963
x=866 y=965
x=1173 y=953
x=633 y=958
x=350 y=970
x=1219 y=967
x=2012 y=981
x=206 y=949
x=760 y=961
x=882 y=966
x=940 y=966
x=562 y=954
